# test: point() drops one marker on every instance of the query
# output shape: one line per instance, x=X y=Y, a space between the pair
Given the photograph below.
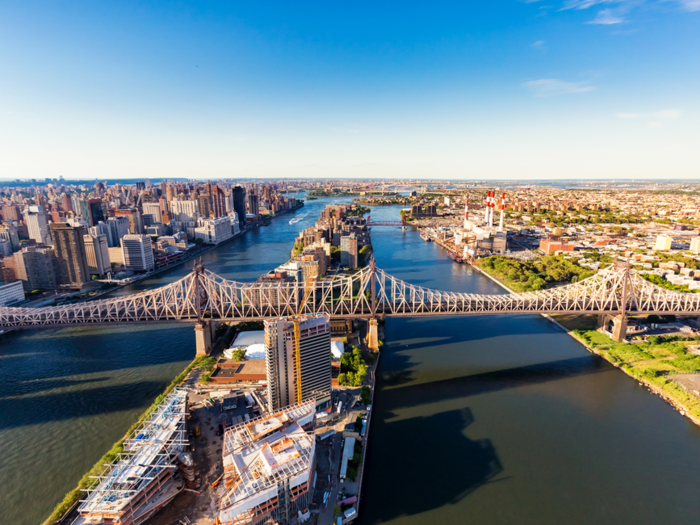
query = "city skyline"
x=507 y=90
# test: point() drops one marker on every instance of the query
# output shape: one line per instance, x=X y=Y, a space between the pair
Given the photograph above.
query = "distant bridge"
x=403 y=223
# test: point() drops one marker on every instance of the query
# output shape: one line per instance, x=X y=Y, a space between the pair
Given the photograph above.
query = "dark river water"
x=488 y=419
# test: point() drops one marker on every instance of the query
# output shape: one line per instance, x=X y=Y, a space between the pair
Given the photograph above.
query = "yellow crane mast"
x=297 y=336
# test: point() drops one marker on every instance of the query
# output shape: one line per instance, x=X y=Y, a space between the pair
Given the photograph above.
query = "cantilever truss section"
x=351 y=297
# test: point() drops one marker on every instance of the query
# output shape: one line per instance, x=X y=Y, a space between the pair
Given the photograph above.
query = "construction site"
x=148 y=474
x=268 y=468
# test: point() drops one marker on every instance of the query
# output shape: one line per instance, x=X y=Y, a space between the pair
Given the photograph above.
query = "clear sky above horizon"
x=499 y=89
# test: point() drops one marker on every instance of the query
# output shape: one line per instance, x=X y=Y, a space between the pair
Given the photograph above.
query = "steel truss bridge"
x=369 y=293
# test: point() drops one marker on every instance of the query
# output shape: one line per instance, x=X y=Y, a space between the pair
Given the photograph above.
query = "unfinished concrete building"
x=268 y=468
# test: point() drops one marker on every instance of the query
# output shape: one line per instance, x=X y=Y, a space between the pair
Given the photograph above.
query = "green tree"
x=238 y=354
x=364 y=395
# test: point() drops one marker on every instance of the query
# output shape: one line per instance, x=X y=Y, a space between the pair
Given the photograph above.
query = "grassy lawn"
x=650 y=362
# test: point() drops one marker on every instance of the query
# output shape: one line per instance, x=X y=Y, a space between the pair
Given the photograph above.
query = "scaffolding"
x=143 y=470
x=266 y=468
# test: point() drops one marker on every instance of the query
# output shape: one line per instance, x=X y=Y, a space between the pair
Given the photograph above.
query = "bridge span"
x=203 y=297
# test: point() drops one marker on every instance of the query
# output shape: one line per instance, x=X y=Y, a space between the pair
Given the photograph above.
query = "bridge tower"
x=617 y=324
x=203 y=329
x=372 y=328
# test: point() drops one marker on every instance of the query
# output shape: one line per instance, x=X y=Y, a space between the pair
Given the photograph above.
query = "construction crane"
x=296 y=319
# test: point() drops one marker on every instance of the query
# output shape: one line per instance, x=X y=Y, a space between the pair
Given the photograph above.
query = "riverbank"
x=69 y=503
x=652 y=365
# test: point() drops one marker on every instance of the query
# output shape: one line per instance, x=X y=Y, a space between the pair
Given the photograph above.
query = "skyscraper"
x=119 y=227
x=218 y=202
x=153 y=209
x=315 y=360
x=36 y=267
x=11 y=213
x=67 y=203
x=253 y=207
x=35 y=218
x=69 y=247
x=97 y=211
x=239 y=203
x=184 y=210
x=84 y=210
x=203 y=202
x=138 y=252
x=97 y=254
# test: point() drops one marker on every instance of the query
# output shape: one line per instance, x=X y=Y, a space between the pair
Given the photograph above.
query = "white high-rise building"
x=663 y=243
x=695 y=245
x=213 y=231
x=97 y=254
x=138 y=252
x=184 y=210
x=37 y=225
x=153 y=209
x=315 y=360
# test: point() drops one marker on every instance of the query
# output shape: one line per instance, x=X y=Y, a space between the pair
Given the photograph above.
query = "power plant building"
x=315 y=360
x=268 y=468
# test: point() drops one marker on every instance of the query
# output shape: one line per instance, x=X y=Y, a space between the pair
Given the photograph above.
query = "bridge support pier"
x=615 y=324
x=202 y=334
x=373 y=335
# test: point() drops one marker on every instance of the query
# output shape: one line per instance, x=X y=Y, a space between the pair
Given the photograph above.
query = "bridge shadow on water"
x=22 y=388
x=423 y=463
x=75 y=351
x=77 y=404
x=412 y=395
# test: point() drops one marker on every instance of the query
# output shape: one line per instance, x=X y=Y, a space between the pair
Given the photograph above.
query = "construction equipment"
x=296 y=319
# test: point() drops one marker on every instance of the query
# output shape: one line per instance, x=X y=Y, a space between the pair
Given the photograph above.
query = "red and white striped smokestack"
x=503 y=208
x=486 y=208
x=492 y=199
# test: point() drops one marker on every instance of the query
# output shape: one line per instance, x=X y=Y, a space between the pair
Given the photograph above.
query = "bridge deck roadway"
x=380 y=315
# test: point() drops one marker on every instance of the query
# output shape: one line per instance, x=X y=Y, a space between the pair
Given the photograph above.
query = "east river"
x=488 y=419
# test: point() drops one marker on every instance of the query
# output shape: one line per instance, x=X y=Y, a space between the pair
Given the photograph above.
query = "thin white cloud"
x=584 y=4
x=655 y=125
x=539 y=45
x=619 y=10
x=690 y=5
x=547 y=87
x=607 y=17
x=667 y=114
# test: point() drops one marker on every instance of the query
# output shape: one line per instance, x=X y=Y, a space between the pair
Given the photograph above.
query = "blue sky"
x=465 y=90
